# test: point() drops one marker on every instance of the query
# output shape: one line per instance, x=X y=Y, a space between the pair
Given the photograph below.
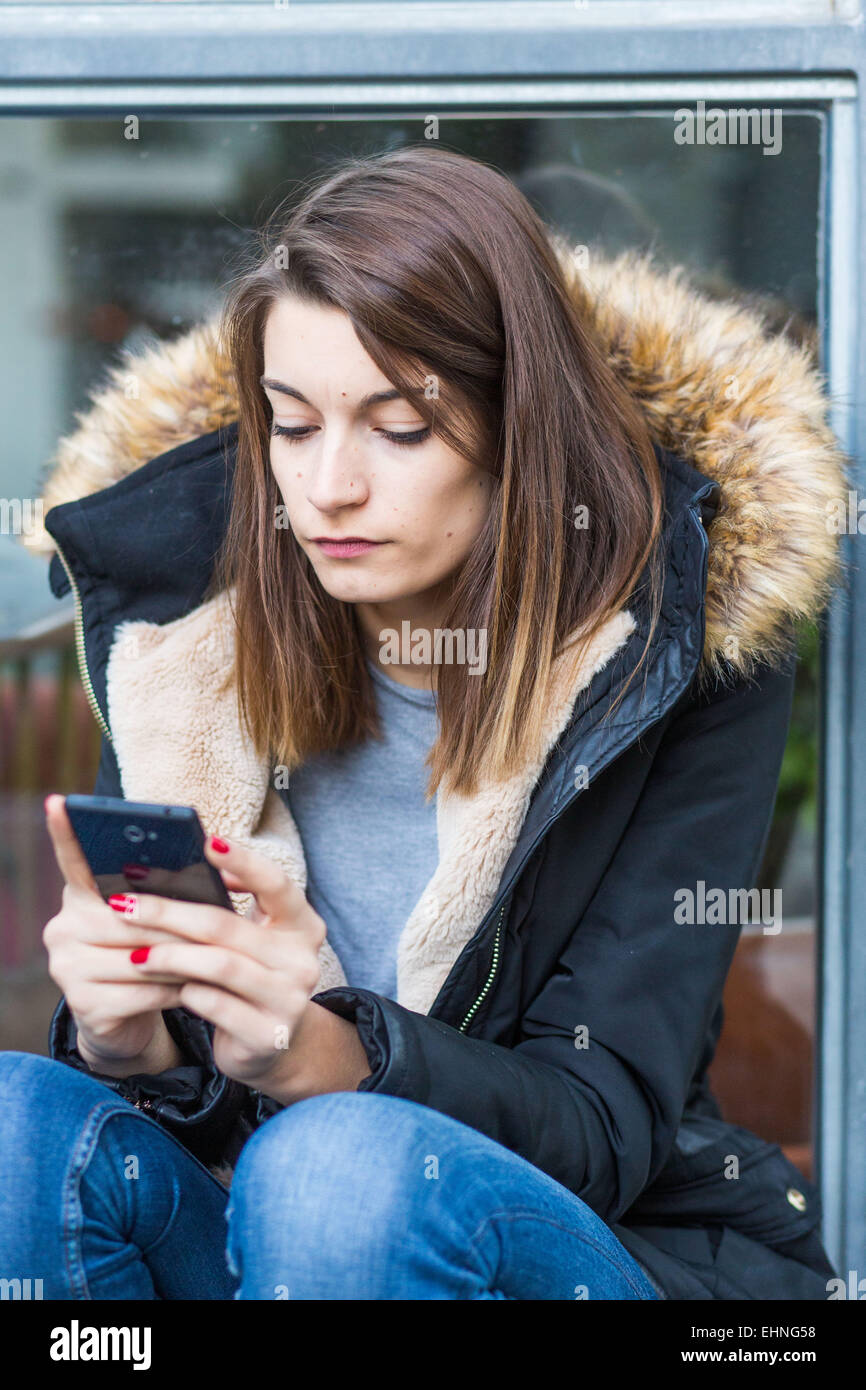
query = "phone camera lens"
x=134 y=833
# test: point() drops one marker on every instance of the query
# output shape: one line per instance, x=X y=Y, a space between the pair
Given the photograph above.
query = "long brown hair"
x=444 y=270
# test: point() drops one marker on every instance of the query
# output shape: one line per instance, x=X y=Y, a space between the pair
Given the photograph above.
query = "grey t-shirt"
x=369 y=836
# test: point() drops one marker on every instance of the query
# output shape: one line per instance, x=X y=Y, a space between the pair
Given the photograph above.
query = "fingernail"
x=140 y=955
x=123 y=902
x=219 y=845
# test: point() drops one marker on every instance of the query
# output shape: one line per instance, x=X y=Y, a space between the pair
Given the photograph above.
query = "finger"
x=98 y=965
x=192 y=921
x=267 y=989
x=97 y=925
x=70 y=856
x=122 y=1001
x=255 y=1031
x=201 y=922
x=232 y=881
x=276 y=894
x=210 y=964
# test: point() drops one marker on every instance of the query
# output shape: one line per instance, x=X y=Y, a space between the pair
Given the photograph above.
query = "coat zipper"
x=494 y=966
x=603 y=764
x=80 y=651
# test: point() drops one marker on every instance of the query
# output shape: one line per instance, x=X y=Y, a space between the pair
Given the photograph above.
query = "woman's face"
x=357 y=468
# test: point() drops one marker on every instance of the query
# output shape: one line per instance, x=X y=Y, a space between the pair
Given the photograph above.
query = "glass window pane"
x=109 y=241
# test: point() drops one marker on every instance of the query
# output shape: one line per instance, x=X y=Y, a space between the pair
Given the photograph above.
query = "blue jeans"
x=342 y=1196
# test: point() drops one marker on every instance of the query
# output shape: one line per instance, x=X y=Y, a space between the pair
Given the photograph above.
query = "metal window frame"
x=517 y=57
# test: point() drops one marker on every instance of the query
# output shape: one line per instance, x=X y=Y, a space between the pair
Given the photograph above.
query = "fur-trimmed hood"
x=744 y=408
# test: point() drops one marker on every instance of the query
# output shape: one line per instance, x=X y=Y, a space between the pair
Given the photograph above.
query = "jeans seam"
x=175 y=1203
x=523 y=1213
x=82 y=1153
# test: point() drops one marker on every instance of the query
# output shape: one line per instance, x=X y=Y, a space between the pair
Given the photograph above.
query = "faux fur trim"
x=745 y=407
x=190 y=749
x=748 y=409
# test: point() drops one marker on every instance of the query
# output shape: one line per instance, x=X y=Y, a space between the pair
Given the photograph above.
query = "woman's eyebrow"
x=374 y=397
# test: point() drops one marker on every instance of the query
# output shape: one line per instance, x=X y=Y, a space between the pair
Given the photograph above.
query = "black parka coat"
x=571 y=1014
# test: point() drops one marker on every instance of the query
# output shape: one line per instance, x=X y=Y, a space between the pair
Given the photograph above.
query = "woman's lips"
x=355 y=545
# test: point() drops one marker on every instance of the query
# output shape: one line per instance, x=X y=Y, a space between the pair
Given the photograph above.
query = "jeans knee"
x=339 y=1148
x=13 y=1063
x=37 y=1092
x=28 y=1097
x=326 y=1181
x=346 y=1126
x=23 y=1076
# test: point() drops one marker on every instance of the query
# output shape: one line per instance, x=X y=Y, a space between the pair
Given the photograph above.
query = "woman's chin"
x=356 y=589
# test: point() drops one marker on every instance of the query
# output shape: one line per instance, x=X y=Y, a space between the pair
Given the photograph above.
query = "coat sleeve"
x=601 y=1118
x=210 y=1113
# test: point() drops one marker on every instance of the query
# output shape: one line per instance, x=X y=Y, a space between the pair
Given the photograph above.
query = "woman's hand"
x=118 y=1014
x=252 y=977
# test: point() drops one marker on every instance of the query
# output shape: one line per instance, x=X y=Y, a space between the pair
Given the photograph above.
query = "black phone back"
x=144 y=846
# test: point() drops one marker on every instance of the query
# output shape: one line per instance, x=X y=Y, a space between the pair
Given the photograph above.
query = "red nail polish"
x=124 y=903
x=219 y=845
x=140 y=955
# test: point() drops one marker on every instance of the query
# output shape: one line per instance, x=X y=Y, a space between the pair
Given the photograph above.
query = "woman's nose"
x=337 y=479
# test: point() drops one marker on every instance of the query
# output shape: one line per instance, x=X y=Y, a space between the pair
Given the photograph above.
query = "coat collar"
x=766 y=457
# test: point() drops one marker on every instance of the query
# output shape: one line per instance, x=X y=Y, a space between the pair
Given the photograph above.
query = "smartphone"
x=148 y=847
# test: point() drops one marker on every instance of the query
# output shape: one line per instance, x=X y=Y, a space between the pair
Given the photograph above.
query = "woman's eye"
x=291 y=431
x=412 y=437
x=298 y=432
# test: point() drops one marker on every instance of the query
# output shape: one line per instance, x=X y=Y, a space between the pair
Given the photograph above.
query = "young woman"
x=454 y=580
